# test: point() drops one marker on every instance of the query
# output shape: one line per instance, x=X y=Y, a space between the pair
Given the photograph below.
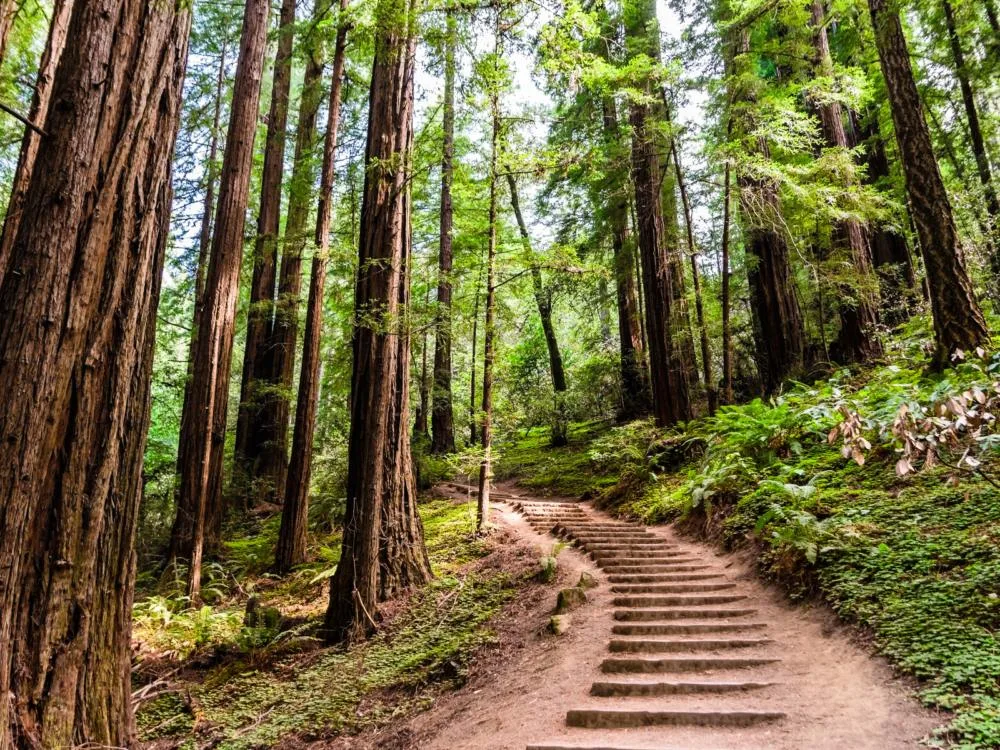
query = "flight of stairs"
x=684 y=649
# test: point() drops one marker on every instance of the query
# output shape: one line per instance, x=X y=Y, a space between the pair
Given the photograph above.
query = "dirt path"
x=677 y=647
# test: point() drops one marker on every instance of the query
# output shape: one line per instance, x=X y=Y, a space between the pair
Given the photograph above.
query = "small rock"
x=587 y=581
x=559 y=624
x=570 y=599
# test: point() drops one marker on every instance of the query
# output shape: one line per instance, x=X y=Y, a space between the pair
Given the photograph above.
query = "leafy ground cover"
x=210 y=679
x=812 y=481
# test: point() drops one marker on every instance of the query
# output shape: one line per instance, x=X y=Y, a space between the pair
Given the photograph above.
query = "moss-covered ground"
x=914 y=560
x=233 y=687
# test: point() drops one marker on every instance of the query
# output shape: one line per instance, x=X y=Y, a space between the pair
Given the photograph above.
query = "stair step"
x=634 y=615
x=667 y=647
x=669 y=588
x=637 y=665
x=636 y=578
x=610 y=719
x=638 y=554
x=620 y=541
x=685 y=628
x=651 y=689
x=676 y=601
x=650 y=569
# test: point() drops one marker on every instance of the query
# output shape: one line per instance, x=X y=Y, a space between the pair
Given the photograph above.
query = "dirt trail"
x=677 y=647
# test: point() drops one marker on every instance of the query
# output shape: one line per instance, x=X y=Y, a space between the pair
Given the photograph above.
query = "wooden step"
x=642 y=555
x=636 y=578
x=676 y=601
x=638 y=665
x=654 y=689
x=669 y=588
x=623 y=719
x=650 y=646
x=648 y=569
x=685 y=628
x=647 y=615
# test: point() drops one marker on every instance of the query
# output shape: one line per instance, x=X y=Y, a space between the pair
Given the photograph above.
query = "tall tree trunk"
x=250 y=435
x=204 y=244
x=668 y=369
x=473 y=415
x=442 y=416
x=8 y=13
x=777 y=319
x=271 y=468
x=39 y=111
x=889 y=249
x=292 y=535
x=706 y=352
x=858 y=339
x=978 y=149
x=420 y=422
x=383 y=549
x=543 y=300
x=635 y=388
x=958 y=321
x=727 y=304
x=199 y=502
x=77 y=320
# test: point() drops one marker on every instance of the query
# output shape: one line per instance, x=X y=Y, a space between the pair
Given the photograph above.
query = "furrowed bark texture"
x=858 y=339
x=295 y=511
x=442 y=415
x=199 y=501
x=77 y=319
x=958 y=321
x=777 y=319
x=669 y=371
x=39 y=109
x=250 y=435
x=383 y=550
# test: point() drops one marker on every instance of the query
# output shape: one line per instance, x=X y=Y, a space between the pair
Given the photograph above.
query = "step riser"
x=681 y=629
x=652 y=569
x=678 y=647
x=639 y=578
x=640 y=615
x=670 y=588
x=674 y=601
x=633 y=719
x=654 y=555
x=672 y=666
x=656 y=689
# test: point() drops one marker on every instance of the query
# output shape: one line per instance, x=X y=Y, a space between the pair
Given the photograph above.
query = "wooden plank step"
x=636 y=578
x=654 y=689
x=647 y=615
x=685 y=628
x=639 y=665
x=674 y=567
x=676 y=601
x=624 y=719
x=669 y=588
x=648 y=646
x=653 y=553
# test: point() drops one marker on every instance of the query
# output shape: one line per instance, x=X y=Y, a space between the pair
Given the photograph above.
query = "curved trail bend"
x=677 y=648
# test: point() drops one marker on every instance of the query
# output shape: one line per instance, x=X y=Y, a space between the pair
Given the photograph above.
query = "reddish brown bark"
x=39 y=110
x=383 y=550
x=199 y=501
x=669 y=371
x=77 y=318
x=442 y=416
x=727 y=328
x=958 y=321
x=270 y=469
x=777 y=318
x=250 y=435
x=858 y=339
x=295 y=511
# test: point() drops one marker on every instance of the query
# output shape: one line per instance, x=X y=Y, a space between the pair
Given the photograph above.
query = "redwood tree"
x=199 y=501
x=295 y=511
x=76 y=341
x=383 y=549
x=668 y=370
x=442 y=415
x=250 y=435
x=958 y=321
